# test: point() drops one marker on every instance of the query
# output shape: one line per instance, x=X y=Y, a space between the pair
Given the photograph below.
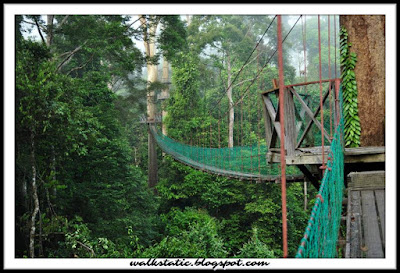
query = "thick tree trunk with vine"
x=367 y=36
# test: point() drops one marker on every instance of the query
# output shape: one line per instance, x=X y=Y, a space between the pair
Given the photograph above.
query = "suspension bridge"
x=296 y=135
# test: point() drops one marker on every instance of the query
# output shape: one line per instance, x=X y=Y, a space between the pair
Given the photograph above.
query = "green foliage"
x=238 y=205
x=352 y=127
x=185 y=78
x=177 y=220
x=79 y=242
x=82 y=156
x=96 y=42
x=254 y=248
x=265 y=208
x=172 y=39
x=189 y=234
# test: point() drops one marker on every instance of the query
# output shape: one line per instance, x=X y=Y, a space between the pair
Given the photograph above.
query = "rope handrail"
x=321 y=234
x=236 y=162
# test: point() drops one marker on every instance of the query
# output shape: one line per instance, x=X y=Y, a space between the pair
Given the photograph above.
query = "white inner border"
x=10 y=10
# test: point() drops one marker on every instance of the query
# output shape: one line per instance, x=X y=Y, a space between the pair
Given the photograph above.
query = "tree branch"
x=87 y=248
x=255 y=58
x=40 y=32
x=63 y=21
x=26 y=22
x=68 y=58
x=239 y=83
x=82 y=66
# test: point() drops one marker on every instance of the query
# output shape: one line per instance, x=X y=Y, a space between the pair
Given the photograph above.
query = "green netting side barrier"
x=321 y=234
x=242 y=162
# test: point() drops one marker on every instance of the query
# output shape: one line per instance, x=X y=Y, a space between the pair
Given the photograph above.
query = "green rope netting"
x=242 y=162
x=321 y=234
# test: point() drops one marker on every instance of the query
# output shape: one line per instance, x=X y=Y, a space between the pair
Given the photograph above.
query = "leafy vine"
x=352 y=127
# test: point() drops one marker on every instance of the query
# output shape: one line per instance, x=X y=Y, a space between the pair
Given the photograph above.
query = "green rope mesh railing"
x=321 y=234
x=242 y=162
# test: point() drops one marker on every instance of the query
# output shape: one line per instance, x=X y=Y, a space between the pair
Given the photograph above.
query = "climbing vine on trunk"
x=352 y=128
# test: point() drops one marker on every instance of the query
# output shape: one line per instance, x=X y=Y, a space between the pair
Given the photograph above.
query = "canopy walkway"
x=242 y=163
x=286 y=119
x=321 y=235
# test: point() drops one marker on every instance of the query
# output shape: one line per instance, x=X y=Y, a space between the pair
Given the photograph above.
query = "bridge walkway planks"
x=365 y=219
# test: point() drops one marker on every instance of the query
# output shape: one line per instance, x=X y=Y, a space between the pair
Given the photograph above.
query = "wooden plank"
x=312 y=155
x=272 y=143
x=277 y=116
x=305 y=159
x=365 y=150
x=314 y=150
x=373 y=242
x=273 y=90
x=367 y=179
x=275 y=83
x=367 y=158
x=355 y=237
x=308 y=83
x=268 y=126
x=272 y=114
x=269 y=116
x=297 y=159
x=380 y=204
x=290 y=124
x=348 y=223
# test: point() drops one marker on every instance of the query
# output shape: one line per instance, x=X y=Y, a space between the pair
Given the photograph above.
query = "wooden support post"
x=274 y=83
x=290 y=124
x=309 y=175
x=267 y=124
x=305 y=196
x=272 y=114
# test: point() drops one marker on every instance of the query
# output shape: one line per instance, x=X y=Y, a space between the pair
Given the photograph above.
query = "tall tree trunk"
x=49 y=37
x=35 y=200
x=367 y=36
x=149 y=46
x=165 y=92
x=230 y=100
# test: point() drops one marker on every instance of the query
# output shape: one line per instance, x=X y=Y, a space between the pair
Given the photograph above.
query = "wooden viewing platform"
x=313 y=155
x=365 y=220
x=309 y=159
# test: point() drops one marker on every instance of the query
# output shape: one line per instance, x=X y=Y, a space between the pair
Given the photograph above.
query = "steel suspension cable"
x=305 y=51
x=320 y=96
x=248 y=58
x=262 y=68
x=282 y=148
